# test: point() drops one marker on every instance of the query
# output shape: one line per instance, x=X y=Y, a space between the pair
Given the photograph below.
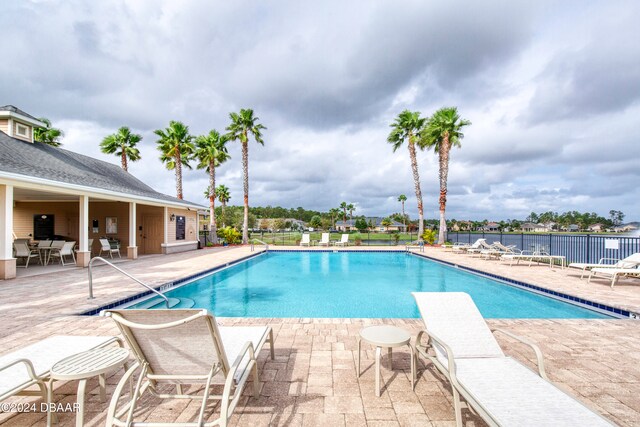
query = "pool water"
x=354 y=285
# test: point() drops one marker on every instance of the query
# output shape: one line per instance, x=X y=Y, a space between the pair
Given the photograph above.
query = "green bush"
x=231 y=235
x=429 y=236
x=357 y=238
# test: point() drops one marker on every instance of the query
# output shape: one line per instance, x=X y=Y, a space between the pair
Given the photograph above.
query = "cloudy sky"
x=552 y=89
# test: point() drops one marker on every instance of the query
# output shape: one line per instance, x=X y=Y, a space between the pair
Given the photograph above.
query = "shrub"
x=231 y=235
x=429 y=236
x=357 y=238
x=396 y=238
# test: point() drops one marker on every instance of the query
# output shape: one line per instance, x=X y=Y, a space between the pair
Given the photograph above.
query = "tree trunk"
x=404 y=218
x=245 y=172
x=224 y=205
x=416 y=183
x=178 y=174
x=444 y=172
x=123 y=160
x=213 y=232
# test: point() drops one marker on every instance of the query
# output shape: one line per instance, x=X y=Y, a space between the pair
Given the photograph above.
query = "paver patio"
x=313 y=380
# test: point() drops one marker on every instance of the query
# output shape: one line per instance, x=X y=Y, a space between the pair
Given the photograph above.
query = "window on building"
x=22 y=130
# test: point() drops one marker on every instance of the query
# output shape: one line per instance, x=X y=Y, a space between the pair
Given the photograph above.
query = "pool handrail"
x=266 y=246
x=161 y=295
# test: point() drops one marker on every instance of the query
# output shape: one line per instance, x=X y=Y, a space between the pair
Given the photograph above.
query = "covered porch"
x=135 y=226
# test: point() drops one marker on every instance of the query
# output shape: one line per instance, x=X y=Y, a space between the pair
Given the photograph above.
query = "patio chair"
x=615 y=273
x=180 y=347
x=30 y=366
x=482 y=246
x=498 y=388
x=23 y=251
x=628 y=262
x=324 y=241
x=105 y=246
x=344 y=241
x=65 y=251
x=498 y=249
x=43 y=250
x=305 y=240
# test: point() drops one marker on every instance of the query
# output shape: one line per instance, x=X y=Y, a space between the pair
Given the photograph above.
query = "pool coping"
x=614 y=312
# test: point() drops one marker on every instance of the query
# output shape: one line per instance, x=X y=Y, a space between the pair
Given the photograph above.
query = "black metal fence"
x=292 y=238
x=576 y=248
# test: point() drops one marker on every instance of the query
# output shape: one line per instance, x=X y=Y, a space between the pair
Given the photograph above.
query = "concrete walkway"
x=313 y=381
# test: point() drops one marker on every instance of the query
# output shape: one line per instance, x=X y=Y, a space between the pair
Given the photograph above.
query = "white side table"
x=82 y=366
x=385 y=336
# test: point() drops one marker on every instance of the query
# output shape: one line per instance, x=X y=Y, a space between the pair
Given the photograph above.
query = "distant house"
x=529 y=227
x=462 y=226
x=573 y=228
x=349 y=225
x=597 y=228
x=492 y=226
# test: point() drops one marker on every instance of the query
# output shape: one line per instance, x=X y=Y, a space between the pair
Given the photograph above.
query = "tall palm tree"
x=222 y=191
x=407 y=127
x=176 y=149
x=443 y=131
x=351 y=208
x=344 y=206
x=243 y=124
x=212 y=151
x=48 y=135
x=402 y=198
x=122 y=143
x=334 y=212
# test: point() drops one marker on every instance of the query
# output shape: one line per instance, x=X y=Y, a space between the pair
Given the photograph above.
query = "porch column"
x=7 y=261
x=84 y=251
x=132 y=249
x=165 y=239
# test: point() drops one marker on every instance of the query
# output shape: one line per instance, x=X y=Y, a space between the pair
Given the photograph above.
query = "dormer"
x=18 y=124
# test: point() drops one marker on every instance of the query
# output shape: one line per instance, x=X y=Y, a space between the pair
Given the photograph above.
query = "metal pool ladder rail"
x=266 y=246
x=166 y=300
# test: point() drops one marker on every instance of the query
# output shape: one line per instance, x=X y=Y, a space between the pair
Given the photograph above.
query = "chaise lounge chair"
x=324 y=241
x=496 y=387
x=498 y=249
x=464 y=248
x=305 y=240
x=628 y=262
x=182 y=347
x=30 y=366
x=344 y=241
x=615 y=273
x=482 y=246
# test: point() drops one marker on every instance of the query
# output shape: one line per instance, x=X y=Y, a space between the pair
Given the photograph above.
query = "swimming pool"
x=352 y=285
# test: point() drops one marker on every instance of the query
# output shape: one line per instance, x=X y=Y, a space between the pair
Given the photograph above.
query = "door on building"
x=43 y=227
x=152 y=234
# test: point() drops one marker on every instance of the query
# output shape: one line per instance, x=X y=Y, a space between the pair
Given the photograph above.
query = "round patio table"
x=385 y=336
x=82 y=366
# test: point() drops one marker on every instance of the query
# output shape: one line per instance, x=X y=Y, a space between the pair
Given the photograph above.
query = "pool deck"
x=313 y=381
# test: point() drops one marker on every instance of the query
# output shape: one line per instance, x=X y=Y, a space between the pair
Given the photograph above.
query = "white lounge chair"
x=464 y=248
x=324 y=241
x=181 y=347
x=615 y=273
x=105 y=246
x=628 y=262
x=23 y=251
x=498 y=388
x=344 y=241
x=498 y=249
x=65 y=251
x=482 y=246
x=305 y=240
x=30 y=366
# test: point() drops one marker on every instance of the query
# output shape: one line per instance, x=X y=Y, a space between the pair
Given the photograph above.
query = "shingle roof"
x=16 y=110
x=56 y=164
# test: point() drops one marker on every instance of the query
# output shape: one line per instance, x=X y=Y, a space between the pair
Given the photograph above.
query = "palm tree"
x=122 y=143
x=222 y=191
x=334 y=212
x=402 y=198
x=344 y=207
x=48 y=135
x=241 y=126
x=443 y=131
x=212 y=152
x=407 y=126
x=176 y=148
x=351 y=208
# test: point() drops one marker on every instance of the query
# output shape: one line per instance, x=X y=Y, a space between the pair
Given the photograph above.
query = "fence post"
x=588 y=248
x=522 y=241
